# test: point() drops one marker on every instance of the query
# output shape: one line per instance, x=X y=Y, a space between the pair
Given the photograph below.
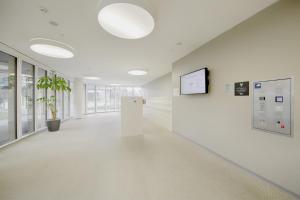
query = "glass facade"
x=110 y=99
x=27 y=98
x=49 y=94
x=59 y=105
x=107 y=99
x=71 y=99
x=90 y=99
x=22 y=76
x=66 y=98
x=41 y=109
x=7 y=98
x=100 y=99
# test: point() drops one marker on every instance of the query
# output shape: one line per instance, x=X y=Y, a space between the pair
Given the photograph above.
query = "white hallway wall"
x=266 y=46
x=158 y=94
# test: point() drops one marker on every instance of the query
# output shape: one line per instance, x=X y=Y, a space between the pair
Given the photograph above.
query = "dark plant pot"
x=53 y=125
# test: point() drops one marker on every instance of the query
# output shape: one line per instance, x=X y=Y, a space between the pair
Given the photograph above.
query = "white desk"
x=131 y=116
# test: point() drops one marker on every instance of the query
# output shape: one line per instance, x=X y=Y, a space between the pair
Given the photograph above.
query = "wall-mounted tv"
x=194 y=82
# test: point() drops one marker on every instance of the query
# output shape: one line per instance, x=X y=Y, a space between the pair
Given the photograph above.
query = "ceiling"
x=181 y=27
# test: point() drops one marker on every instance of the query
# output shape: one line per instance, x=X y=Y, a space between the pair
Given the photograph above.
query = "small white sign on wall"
x=229 y=88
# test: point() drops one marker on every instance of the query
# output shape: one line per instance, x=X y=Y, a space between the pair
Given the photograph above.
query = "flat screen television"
x=194 y=82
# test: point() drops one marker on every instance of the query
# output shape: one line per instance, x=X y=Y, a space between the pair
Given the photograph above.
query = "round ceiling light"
x=51 y=48
x=126 y=20
x=137 y=72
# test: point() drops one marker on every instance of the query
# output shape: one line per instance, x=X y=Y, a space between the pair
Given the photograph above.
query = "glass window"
x=108 y=99
x=59 y=104
x=71 y=96
x=118 y=98
x=67 y=104
x=40 y=106
x=90 y=99
x=138 y=92
x=129 y=91
x=123 y=92
x=112 y=106
x=27 y=98
x=100 y=98
x=7 y=98
x=49 y=94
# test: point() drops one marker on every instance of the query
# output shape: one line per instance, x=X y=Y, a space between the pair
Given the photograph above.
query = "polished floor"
x=87 y=160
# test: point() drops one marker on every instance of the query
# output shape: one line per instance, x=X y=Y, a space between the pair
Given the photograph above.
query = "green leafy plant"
x=55 y=83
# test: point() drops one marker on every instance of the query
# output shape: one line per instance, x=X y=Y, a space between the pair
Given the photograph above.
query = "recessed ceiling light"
x=51 y=48
x=44 y=9
x=53 y=23
x=115 y=84
x=179 y=43
x=126 y=20
x=137 y=72
x=92 y=78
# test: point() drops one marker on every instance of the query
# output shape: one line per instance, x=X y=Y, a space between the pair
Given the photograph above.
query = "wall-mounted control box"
x=272 y=106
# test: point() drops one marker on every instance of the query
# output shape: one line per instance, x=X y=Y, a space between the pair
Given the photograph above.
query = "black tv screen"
x=195 y=82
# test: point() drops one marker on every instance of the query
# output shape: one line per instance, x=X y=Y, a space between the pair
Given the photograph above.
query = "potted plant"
x=56 y=84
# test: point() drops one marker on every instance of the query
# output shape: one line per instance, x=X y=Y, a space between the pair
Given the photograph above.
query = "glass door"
x=71 y=100
x=118 y=98
x=40 y=106
x=59 y=104
x=7 y=98
x=67 y=104
x=113 y=99
x=100 y=98
x=90 y=99
x=27 y=98
x=50 y=93
x=110 y=99
x=107 y=99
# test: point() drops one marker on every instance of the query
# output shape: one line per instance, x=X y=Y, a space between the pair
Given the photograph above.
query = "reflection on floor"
x=87 y=160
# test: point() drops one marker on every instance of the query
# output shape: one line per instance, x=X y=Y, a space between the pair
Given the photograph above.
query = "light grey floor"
x=87 y=160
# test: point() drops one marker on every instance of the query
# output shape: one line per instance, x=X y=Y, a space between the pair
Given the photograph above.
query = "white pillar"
x=79 y=98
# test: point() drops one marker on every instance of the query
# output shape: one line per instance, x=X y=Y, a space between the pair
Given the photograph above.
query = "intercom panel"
x=272 y=106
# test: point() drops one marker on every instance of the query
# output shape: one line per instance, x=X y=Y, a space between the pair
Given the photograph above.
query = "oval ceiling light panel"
x=126 y=20
x=137 y=72
x=91 y=78
x=51 y=51
x=115 y=84
x=51 y=48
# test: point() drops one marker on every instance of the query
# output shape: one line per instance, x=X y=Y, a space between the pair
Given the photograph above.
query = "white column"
x=79 y=98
